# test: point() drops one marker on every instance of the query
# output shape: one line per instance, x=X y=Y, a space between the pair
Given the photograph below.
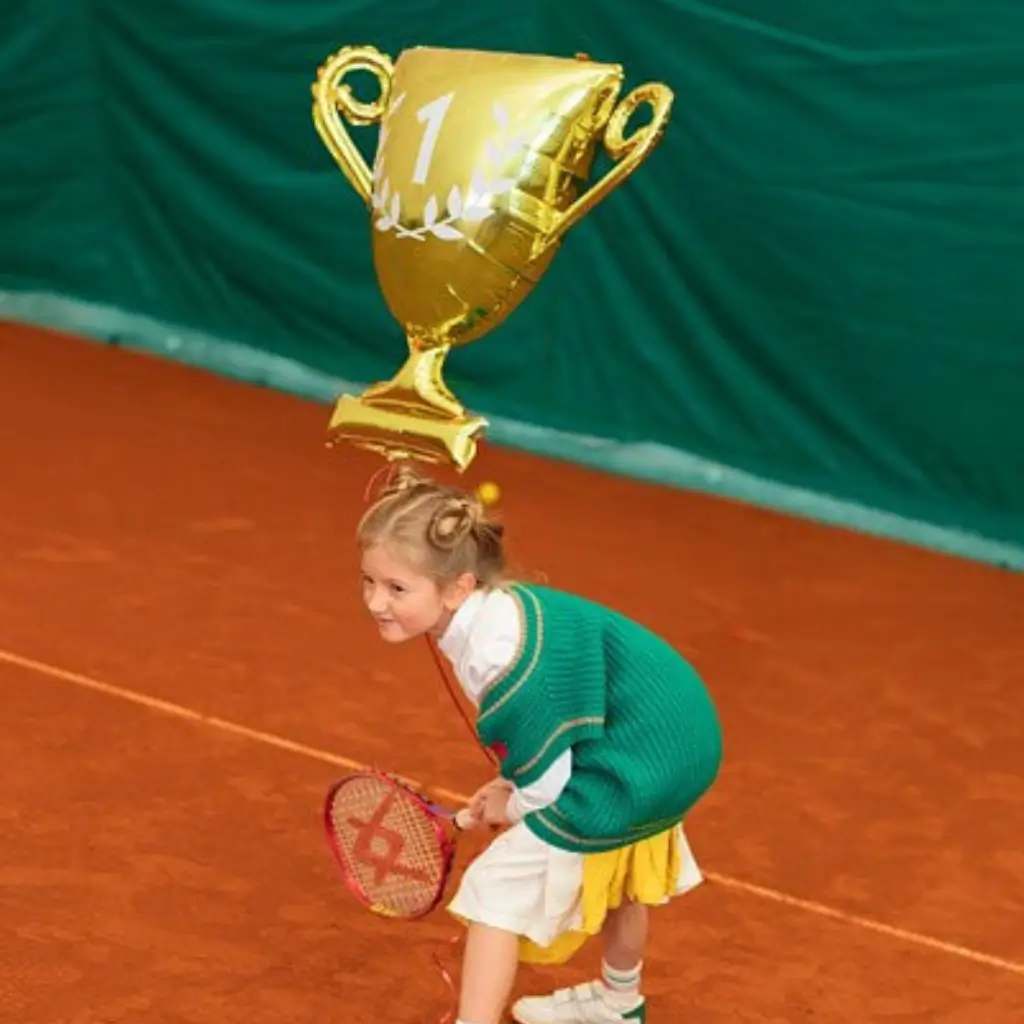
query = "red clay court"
x=185 y=667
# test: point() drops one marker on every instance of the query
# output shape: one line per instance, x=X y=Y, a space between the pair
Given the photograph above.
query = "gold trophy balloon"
x=480 y=164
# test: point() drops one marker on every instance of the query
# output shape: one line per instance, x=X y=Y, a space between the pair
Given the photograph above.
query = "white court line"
x=270 y=740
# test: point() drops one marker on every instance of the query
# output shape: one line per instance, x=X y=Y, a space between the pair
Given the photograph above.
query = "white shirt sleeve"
x=483 y=663
x=545 y=791
x=482 y=641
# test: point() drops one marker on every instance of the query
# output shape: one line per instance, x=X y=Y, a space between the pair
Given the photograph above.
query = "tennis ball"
x=488 y=493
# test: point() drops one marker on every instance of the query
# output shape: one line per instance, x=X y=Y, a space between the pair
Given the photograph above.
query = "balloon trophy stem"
x=412 y=416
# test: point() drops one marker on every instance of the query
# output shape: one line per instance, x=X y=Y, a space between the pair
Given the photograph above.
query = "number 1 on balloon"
x=433 y=115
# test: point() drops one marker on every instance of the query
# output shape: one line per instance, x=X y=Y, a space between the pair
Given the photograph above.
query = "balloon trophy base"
x=411 y=416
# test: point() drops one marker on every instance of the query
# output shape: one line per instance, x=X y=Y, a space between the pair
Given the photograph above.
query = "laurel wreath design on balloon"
x=472 y=206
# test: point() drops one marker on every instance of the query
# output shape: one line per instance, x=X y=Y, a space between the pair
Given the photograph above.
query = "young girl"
x=607 y=738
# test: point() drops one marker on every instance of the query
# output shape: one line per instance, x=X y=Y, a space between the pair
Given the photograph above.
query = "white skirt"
x=523 y=885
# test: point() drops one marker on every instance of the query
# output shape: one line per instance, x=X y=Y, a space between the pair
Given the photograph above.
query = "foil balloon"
x=482 y=166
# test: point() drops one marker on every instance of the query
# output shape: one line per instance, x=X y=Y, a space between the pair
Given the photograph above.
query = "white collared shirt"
x=482 y=642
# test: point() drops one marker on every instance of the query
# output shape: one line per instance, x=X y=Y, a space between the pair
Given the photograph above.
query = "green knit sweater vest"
x=644 y=733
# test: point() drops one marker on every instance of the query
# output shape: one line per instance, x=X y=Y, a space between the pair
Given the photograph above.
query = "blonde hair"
x=445 y=530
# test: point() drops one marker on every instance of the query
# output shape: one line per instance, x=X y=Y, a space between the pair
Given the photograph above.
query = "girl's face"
x=403 y=601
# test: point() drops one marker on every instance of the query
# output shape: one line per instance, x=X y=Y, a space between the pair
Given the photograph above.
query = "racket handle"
x=463 y=819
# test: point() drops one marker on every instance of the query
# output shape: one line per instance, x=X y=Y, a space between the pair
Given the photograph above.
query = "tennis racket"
x=391 y=843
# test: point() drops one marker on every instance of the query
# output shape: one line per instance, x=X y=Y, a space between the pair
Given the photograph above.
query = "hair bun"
x=452 y=522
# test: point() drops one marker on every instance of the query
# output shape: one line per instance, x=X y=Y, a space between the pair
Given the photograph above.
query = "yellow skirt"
x=646 y=872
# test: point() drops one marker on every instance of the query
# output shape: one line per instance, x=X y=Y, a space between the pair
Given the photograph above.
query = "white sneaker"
x=585 y=1004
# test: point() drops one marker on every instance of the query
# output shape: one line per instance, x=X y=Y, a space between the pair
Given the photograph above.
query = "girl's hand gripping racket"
x=391 y=843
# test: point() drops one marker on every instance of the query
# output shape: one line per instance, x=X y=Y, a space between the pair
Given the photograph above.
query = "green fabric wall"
x=817 y=279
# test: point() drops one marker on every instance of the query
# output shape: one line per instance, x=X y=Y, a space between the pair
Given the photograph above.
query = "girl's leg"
x=488 y=973
x=615 y=998
x=624 y=937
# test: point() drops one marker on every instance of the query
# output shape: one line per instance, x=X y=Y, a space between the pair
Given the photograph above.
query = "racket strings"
x=391 y=847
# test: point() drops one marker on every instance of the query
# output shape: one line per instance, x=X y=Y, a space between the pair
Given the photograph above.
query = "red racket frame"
x=434 y=813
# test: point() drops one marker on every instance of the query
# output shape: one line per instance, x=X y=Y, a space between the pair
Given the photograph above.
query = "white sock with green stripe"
x=623 y=987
